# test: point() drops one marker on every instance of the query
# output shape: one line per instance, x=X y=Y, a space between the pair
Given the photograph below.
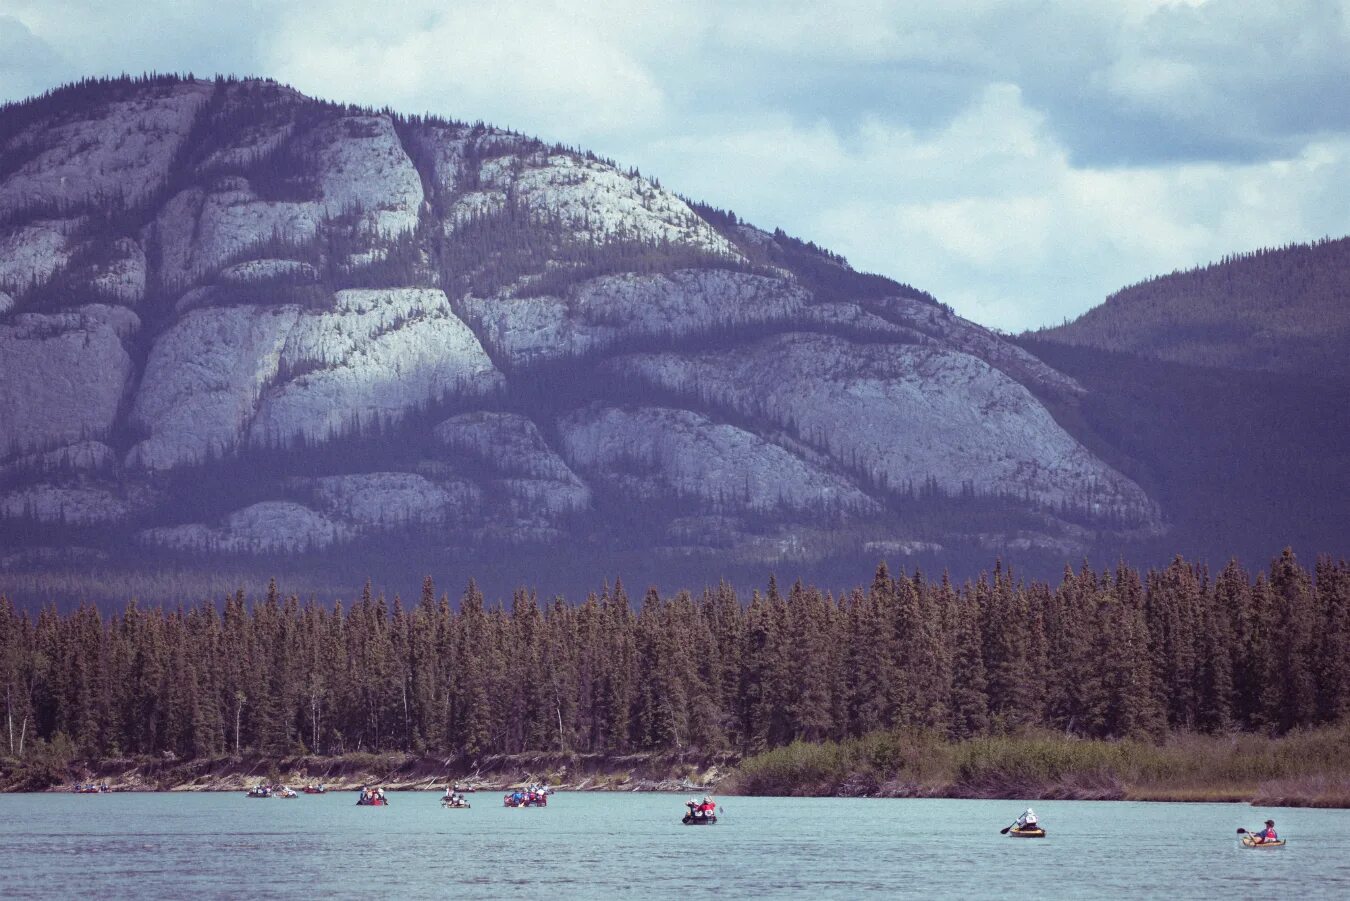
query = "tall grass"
x=1309 y=766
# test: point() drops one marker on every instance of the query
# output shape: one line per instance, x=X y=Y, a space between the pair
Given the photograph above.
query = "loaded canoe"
x=1249 y=842
x=1026 y=833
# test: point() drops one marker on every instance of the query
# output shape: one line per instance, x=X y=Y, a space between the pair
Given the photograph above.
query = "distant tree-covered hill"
x=1277 y=309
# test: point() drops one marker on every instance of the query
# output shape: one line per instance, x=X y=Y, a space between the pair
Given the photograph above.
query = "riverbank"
x=1309 y=768
x=395 y=772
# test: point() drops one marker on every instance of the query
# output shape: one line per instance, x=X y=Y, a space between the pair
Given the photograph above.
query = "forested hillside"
x=1107 y=654
x=1238 y=454
x=1279 y=309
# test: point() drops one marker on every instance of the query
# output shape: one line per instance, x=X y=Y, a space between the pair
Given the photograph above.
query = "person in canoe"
x=1027 y=822
x=1267 y=834
x=699 y=809
x=373 y=797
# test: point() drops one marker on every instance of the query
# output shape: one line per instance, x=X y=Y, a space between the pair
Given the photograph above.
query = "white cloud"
x=538 y=66
x=28 y=64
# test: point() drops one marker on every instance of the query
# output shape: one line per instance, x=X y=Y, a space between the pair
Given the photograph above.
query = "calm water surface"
x=633 y=846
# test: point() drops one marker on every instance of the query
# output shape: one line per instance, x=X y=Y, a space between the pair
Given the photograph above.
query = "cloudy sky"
x=1019 y=159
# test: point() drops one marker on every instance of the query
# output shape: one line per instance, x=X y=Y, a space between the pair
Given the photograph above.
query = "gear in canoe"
x=700 y=813
x=1027 y=826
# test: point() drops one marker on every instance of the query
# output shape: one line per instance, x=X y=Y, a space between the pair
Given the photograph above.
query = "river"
x=599 y=845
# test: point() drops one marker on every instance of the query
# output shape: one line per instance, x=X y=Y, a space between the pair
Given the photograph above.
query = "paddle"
x=1241 y=831
x=1004 y=830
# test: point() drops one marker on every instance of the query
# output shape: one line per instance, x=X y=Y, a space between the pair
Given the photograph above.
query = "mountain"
x=1285 y=309
x=242 y=329
x=1224 y=391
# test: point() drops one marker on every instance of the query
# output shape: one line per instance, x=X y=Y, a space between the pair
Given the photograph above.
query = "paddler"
x=1267 y=834
x=1026 y=821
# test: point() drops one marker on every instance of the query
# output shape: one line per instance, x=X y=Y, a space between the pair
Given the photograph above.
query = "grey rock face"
x=114 y=151
x=267 y=527
x=204 y=380
x=607 y=312
x=907 y=415
x=656 y=451
x=64 y=377
x=376 y=355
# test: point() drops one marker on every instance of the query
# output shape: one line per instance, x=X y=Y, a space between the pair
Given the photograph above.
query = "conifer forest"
x=1100 y=654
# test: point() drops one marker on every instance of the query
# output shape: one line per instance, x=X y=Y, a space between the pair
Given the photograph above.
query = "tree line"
x=1103 y=655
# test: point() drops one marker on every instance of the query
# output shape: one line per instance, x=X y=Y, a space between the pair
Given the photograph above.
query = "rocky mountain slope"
x=235 y=320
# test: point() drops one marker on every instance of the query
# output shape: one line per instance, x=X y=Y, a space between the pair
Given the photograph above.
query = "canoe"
x=1249 y=842
x=535 y=801
x=1026 y=833
x=690 y=820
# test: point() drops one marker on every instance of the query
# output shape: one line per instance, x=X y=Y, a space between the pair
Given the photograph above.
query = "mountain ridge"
x=299 y=328
x=1279 y=308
